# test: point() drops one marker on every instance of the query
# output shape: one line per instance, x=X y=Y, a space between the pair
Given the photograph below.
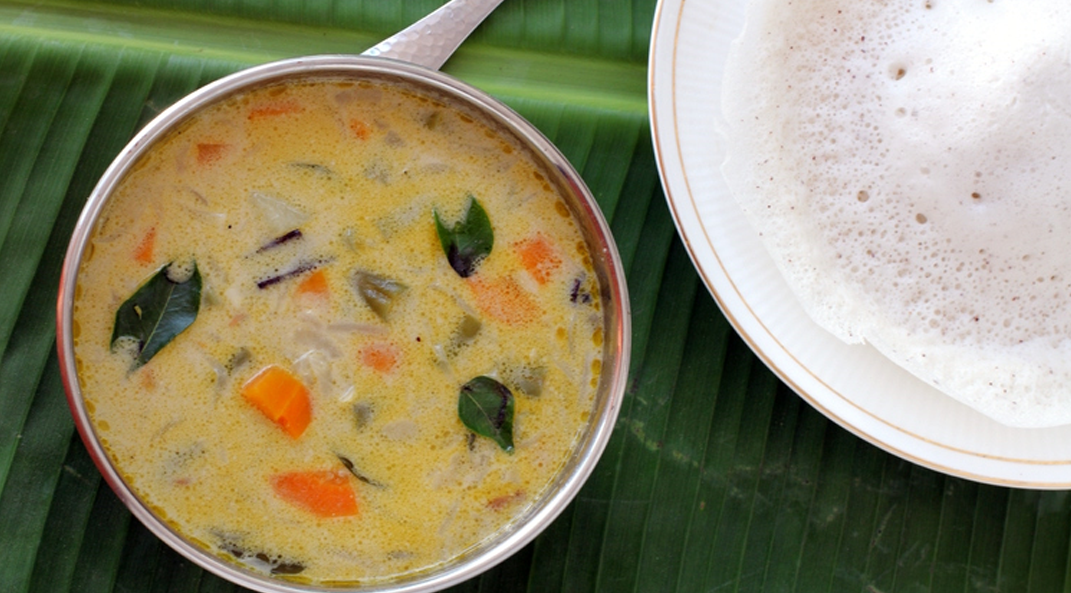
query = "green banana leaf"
x=717 y=477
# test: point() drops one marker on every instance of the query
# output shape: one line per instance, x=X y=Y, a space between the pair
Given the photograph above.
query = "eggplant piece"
x=467 y=330
x=378 y=292
x=431 y=120
x=287 y=568
x=274 y=564
x=527 y=379
x=280 y=240
x=362 y=414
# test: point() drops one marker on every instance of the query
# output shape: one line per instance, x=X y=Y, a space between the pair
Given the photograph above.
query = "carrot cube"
x=143 y=253
x=281 y=397
x=359 y=129
x=382 y=357
x=503 y=299
x=210 y=152
x=539 y=257
x=324 y=493
x=314 y=284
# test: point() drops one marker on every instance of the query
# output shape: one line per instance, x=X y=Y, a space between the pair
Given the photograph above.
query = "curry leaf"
x=486 y=408
x=468 y=241
x=158 y=311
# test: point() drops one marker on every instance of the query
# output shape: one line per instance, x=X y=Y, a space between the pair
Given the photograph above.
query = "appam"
x=904 y=166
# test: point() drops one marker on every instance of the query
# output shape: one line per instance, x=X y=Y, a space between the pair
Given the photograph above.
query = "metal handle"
x=431 y=40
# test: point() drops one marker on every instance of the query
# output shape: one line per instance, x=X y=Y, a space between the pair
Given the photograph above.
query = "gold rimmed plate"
x=853 y=385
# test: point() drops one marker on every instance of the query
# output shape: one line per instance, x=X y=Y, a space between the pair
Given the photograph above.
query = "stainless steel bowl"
x=606 y=260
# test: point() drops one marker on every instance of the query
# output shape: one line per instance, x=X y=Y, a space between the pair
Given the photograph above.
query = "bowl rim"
x=616 y=311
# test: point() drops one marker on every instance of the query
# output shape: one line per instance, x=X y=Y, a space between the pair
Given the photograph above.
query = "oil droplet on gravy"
x=359 y=170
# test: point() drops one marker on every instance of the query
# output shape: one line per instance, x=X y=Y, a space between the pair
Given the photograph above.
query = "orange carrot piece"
x=314 y=284
x=210 y=152
x=143 y=253
x=325 y=493
x=359 y=129
x=282 y=398
x=274 y=109
x=503 y=299
x=381 y=356
x=539 y=257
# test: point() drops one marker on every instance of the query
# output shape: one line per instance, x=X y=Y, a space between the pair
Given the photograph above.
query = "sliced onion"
x=281 y=217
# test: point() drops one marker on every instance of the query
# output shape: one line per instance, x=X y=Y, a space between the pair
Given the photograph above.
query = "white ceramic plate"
x=854 y=386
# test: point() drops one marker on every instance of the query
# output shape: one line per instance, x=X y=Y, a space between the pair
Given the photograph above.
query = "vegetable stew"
x=338 y=330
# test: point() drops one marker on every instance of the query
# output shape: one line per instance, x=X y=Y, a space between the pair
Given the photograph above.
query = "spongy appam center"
x=907 y=166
